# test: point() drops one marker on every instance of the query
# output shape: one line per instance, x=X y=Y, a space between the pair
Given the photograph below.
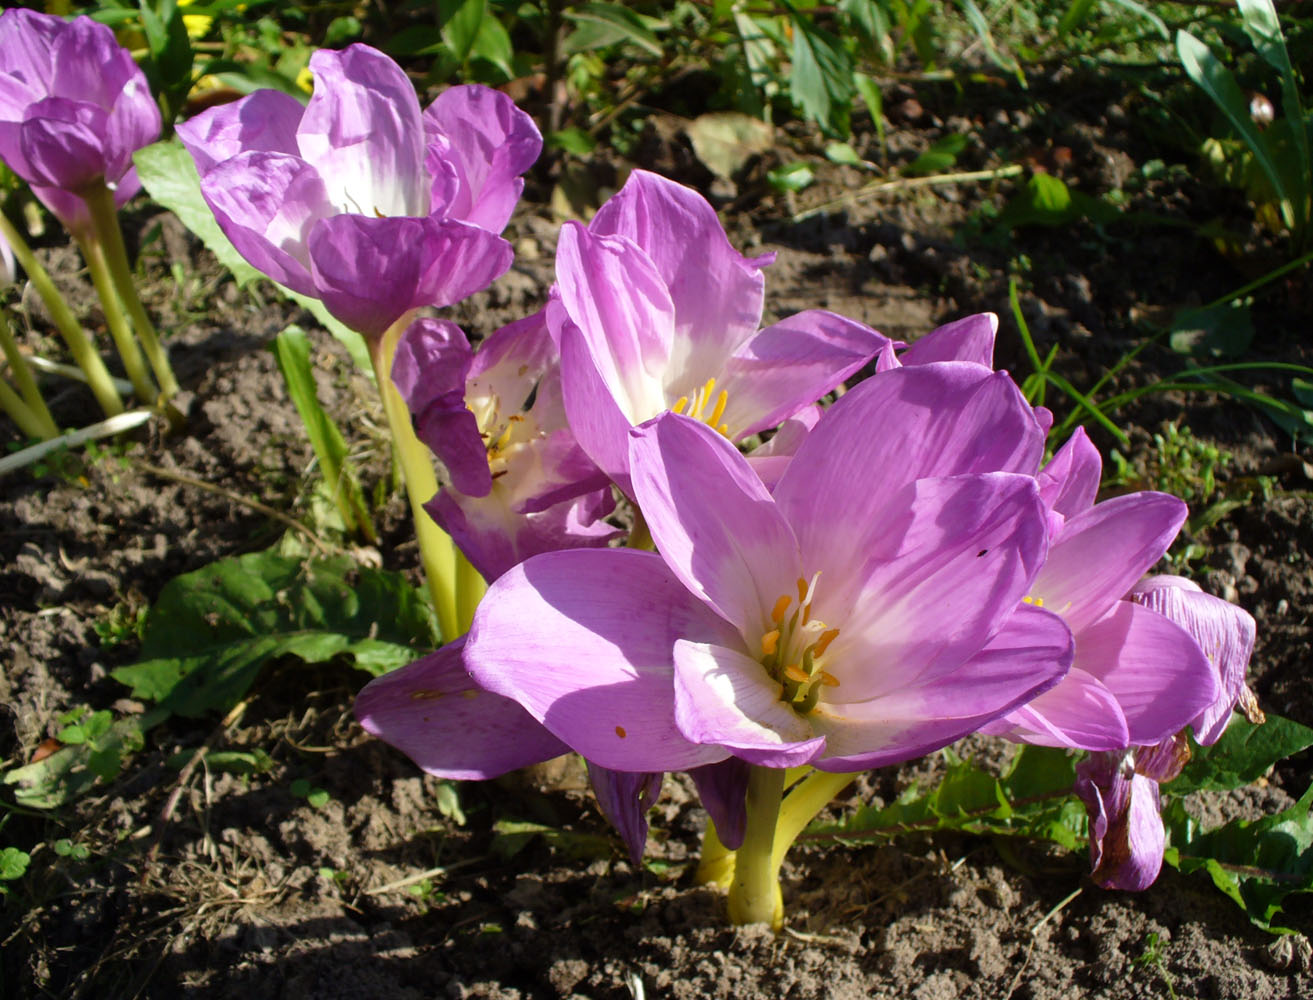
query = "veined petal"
x=362 y=130
x=595 y=416
x=953 y=561
x=712 y=519
x=906 y=424
x=63 y=143
x=1080 y=711
x=434 y=713
x=769 y=460
x=969 y=339
x=1126 y=828
x=1225 y=633
x=625 y=798
x=1030 y=654
x=725 y=698
x=491 y=143
x=612 y=293
x=1069 y=482
x=1157 y=672
x=791 y=364
x=264 y=121
x=723 y=789
x=1102 y=551
x=584 y=640
x=27 y=39
x=372 y=271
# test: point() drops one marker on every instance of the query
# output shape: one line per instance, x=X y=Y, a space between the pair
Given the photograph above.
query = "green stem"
x=130 y=354
x=812 y=794
x=436 y=551
x=28 y=421
x=754 y=894
x=105 y=224
x=79 y=345
x=45 y=423
x=470 y=588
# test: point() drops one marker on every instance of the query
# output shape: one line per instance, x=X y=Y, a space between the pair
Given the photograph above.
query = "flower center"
x=793 y=650
x=697 y=406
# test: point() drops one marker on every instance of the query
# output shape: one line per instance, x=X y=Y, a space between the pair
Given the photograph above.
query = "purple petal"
x=625 y=798
x=951 y=563
x=266 y=204
x=264 y=121
x=432 y=360
x=372 y=271
x=1126 y=829
x=63 y=143
x=1030 y=654
x=1224 y=632
x=717 y=293
x=789 y=365
x=970 y=339
x=906 y=424
x=434 y=713
x=1070 y=481
x=495 y=535
x=363 y=132
x=723 y=789
x=1157 y=672
x=26 y=41
x=584 y=640
x=612 y=292
x=712 y=519
x=490 y=143
x=1080 y=712
x=1102 y=551
x=725 y=698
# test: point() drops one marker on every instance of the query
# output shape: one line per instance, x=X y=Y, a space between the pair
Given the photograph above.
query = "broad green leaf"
x=1244 y=754
x=1257 y=863
x=292 y=349
x=841 y=152
x=601 y=24
x=572 y=140
x=510 y=837
x=493 y=46
x=13 y=863
x=941 y=155
x=791 y=177
x=726 y=140
x=73 y=770
x=1217 y=82
x=169 y=175
x=821 y=82
x=211 y=631
x=1217 y=331
x=870 y=93
x=460 y=21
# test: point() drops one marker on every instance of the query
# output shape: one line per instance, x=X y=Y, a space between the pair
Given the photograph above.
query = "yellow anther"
x=680 y=403
x=1036 y=601
x=823 y=643
x=505 y=438
x=802 y=590
x=781 y=606
x=795 y=673
x=770 y=642
x=723 y=430
x=828 y=679
x=721 y=401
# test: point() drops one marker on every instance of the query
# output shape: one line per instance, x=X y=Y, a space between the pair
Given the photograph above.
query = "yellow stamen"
x=795 y=673
x=828 y=679
x=1036 y=601
x=823 y=643
x=781 y=606
x=721 y=401
x=802 y=590
x=680 y=403
x=770 y=642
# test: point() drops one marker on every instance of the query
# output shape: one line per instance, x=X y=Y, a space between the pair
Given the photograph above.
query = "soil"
x=205 y=884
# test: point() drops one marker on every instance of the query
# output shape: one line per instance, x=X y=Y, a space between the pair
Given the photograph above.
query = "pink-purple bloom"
x=74 y=107
x=358 y=198
x=864 y=612
x=517 y=481
x=654 y=310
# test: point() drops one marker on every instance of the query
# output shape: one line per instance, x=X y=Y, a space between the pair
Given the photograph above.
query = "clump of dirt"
x=201 y=883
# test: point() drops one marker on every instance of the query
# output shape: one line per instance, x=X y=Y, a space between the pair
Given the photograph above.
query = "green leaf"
x=511 y=837
x=791 y=176
x=601 y=24
x=941 y=155
x=870 y=93
x=69 y=772
x=821 y=83
x=1217 y=82
x=726 y=140
x=572 y=140
x=1244 y=754
x=211 y=631
x=1224 y=330
x=460 y=20
x=13 y=863
x=342 y=29
x=842 y=153
x=493 y=45
x=1074 y=16
x=292 y=349
x=1257 y=863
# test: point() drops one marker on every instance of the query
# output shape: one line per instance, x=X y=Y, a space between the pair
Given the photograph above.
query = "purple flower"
x=862 y=614
x=655 y=311
x=74 y=107
x=518 y=482
x=359 y=200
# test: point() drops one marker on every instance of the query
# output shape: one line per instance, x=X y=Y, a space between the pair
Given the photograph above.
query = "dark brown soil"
x=218 y=886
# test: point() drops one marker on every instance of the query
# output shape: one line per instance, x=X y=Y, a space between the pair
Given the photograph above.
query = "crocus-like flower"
x=74 y=107
x=865 y=612
x=655 y=311
x=360 y=200
x=518 y=482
